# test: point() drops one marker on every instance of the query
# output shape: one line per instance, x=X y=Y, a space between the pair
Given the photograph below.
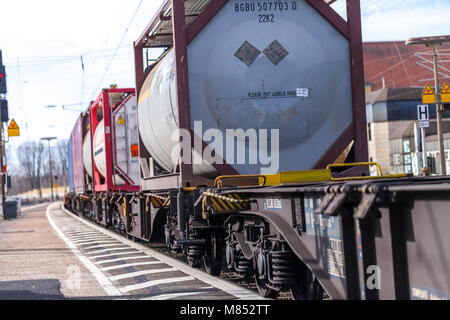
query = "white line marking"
x=169 y=296
x=115 y=254
x=141 y=273
x=100 y=240
x=115 y=244
x=78 y=239
x=108 y=250
x=122 y=259
x=101 y=278
x=131 y=265
x=78 y=233
x=230 y=288
x=91 y=235
x=149 y=284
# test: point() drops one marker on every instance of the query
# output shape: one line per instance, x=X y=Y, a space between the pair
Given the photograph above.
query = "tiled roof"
x=403 y=66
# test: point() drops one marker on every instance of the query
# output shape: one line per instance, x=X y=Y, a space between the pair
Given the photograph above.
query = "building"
x=396 y=65
x=393 y=140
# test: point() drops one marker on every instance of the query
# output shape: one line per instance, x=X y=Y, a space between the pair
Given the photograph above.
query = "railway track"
x=134 y=271
x=247 y=283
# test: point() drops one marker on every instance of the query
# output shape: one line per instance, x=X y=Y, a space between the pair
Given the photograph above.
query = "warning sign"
x=445 y=94
x=13 y=129
x=121 y=120
x=429 y=95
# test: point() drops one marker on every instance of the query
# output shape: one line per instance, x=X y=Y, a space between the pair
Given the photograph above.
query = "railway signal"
x=4 y=105
x=3 y=88
x=4 y=110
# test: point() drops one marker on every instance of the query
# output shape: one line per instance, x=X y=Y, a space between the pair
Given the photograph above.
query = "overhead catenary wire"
x=120 y=43
x=62 y=60
x=82 y=78
x=112 y=28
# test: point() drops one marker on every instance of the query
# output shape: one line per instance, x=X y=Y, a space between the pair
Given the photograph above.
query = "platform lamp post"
x=50 y=159
x=435 y=42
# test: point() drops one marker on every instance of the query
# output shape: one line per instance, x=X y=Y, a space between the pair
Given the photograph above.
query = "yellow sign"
x=429 y=95
x=445 y=94
x=13 y=129
x=121 y=120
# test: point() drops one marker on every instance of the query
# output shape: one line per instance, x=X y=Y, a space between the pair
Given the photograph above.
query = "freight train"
x=244 y=146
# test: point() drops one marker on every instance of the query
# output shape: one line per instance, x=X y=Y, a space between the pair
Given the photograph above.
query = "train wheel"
x=194 y=263
x=307 y=288
x=264 y=290
x=212 y=258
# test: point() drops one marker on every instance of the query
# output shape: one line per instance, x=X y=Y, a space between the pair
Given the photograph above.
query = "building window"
x=406 y=146
x=396 y=160
x=369 y=131
x=447 y=154
x=407 y=159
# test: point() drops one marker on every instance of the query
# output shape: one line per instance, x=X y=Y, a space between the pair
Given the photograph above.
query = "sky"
x=61 y=53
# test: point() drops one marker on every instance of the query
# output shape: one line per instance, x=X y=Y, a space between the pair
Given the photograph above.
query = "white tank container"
x=158 y=118
x=291 y=74
x=87 y=151
x=125 y=139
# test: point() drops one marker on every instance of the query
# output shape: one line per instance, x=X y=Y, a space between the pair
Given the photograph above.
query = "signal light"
x=3 y=89
x=4 y=110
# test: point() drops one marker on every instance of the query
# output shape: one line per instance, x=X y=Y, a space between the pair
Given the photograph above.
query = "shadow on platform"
x=31 y=290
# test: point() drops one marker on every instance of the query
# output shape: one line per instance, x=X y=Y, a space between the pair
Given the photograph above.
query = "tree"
x=62 y=160
x=31 y=157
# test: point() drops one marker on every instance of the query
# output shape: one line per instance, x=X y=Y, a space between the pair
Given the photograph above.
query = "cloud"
x=388 y=20
x=400 y=20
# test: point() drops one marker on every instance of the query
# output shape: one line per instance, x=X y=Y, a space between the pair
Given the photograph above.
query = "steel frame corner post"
x=139 y=79
x=182 y=80
x=139 y=67
x=94 y=122
x=357 y=72
x=86 y=121
x=357 y=131
x=107 y=110
x=104 y=100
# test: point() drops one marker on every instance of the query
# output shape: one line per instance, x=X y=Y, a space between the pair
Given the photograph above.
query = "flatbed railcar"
x=305 y=226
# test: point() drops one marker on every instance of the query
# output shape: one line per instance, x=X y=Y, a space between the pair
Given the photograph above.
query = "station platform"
x=36 y=264
x=49 y=253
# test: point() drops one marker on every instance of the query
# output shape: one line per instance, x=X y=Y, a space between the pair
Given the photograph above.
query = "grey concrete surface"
x=35 y=264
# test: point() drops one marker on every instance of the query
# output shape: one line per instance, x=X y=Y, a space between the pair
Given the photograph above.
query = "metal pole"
x=51 y=174
x=417 y=140
x=439 y=116
x=3 y=173
x=424 y=151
